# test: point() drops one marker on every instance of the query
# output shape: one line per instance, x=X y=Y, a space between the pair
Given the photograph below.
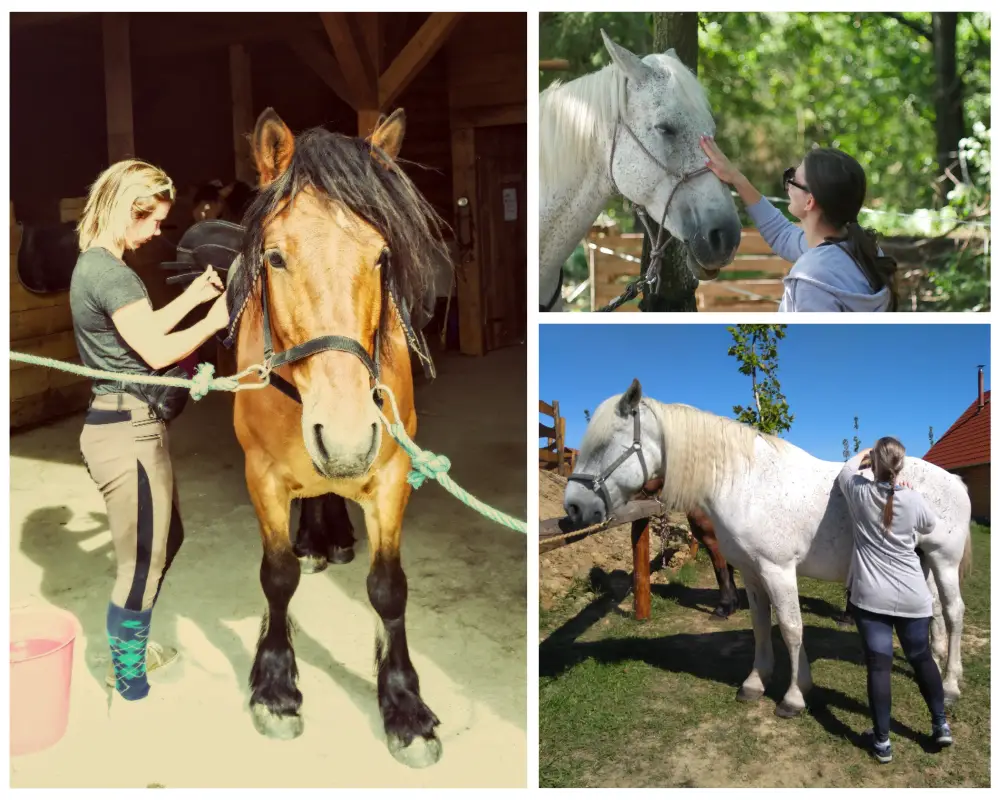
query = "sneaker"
x=157 y=657
x=941 y=734
x=882 y=751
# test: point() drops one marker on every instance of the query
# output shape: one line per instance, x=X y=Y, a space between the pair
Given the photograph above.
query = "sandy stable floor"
x=466 y=614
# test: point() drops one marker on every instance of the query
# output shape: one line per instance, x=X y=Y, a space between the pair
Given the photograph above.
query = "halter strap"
x=598 y=484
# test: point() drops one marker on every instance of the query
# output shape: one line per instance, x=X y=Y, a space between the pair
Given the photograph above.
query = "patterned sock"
x=127 y=635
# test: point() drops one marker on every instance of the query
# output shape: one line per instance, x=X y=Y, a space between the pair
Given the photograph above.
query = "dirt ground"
x=610 y=551
x=466 y=616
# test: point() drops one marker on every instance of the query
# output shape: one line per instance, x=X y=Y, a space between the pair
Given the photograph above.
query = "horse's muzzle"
x=335 y=457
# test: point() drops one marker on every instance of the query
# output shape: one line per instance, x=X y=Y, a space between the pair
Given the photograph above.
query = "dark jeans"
x=914 y=636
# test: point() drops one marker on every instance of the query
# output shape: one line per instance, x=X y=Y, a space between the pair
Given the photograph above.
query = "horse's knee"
x=279 y=576
x=387 y=588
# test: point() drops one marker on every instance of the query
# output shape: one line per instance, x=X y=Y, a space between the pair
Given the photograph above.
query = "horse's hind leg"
x=763 y=660
x=939 y=633
x=325 y=535
x=953 y=608
x=409 y=723
x=275 y=700
x=704 y=532
x=782 y=587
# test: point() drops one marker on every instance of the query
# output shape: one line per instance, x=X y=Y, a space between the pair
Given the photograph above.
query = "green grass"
x=624 y=703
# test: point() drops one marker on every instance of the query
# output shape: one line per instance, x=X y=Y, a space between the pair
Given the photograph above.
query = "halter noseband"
x=597 y=484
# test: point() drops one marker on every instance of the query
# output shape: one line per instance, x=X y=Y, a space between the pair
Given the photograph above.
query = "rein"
x=598 y=484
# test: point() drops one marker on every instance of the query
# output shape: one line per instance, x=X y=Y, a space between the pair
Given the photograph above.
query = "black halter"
x=320 y=344
x=597 y=484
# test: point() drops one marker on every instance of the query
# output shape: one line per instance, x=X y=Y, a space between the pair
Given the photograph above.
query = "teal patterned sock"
x=127 y=635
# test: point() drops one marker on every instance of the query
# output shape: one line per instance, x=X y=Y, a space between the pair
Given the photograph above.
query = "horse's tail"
x=965 y=566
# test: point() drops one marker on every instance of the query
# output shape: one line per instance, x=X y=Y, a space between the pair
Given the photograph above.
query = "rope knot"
x=201 y=383
x=426 y=465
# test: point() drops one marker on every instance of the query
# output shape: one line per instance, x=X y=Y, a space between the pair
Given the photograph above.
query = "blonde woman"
x=124 y=441
x=887 y=587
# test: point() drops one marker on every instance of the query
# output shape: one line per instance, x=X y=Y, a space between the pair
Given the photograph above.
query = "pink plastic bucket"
x=41 y=669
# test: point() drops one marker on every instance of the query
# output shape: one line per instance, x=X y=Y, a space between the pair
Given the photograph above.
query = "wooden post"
x=367 y=120
x=239 y=76
x=118 y=86
x=592 y=268
x=640 y=568
x=556 y=419
x=470 y=292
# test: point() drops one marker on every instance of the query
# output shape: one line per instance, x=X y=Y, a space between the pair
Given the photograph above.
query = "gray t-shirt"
x=885 y=576
x=101 y=285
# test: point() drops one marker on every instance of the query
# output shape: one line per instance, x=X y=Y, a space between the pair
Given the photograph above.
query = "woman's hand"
x=218 y=314
x=205 y=287
x=866 y=458
x=717 y=161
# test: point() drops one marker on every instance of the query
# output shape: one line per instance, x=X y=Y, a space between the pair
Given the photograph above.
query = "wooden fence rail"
x=554 y=455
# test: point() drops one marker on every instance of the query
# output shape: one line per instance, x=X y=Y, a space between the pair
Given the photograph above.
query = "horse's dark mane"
x=345 y=169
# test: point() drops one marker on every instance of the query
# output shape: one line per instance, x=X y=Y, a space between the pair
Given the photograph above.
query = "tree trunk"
x=675 y=292
x=949 y=119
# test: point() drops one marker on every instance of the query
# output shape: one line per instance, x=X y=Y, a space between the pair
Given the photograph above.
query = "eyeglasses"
x=788 y=177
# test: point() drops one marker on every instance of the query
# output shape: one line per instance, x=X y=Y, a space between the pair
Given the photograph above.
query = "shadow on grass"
x=725 y=656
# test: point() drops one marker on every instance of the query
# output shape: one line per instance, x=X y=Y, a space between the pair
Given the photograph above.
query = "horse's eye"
x=666 y=129
x=275 y=259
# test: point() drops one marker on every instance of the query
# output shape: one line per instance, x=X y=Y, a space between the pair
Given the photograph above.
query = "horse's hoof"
x=749 y=695
x=341 y=555
x=786 y=711
x=418 y=754
x=274 y=726
x=312 y=564
x=721 y=612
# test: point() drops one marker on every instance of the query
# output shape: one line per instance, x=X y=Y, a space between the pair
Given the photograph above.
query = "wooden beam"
x=25 y=19
x=469 y=280
x=553 y=64
x=312 y=52
x=347 y=49
x=561 y=528
x=370 y=25
x=212 y=34
x=488 y=116
x=242 y=92
x=367 y=120
x=415 y=55
x=118 y=86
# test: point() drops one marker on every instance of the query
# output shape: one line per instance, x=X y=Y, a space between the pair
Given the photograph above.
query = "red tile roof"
x=967 y=442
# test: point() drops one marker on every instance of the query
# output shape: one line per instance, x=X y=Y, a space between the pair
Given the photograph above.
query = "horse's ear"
x=629 y=402
x=627 y=61
x=273 y=146
x=388 y=136
x=672 y=53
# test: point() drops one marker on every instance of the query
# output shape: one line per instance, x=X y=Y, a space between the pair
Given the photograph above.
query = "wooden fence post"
x=640 y=568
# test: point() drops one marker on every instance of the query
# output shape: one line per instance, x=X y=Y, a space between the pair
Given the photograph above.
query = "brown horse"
x=339 y=247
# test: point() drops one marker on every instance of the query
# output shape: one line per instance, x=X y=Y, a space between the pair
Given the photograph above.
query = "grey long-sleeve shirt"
x=822 y=278
x=885 y=576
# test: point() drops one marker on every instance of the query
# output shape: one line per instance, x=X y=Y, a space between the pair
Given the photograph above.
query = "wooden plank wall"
x=612 y=273
x=41 y=324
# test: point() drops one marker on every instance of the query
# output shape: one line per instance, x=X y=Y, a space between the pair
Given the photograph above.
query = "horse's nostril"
x=320 y=445
x=574 y=511
x=715 y=238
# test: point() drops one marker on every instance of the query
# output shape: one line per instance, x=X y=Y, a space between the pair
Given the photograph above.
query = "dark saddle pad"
x=47 y=256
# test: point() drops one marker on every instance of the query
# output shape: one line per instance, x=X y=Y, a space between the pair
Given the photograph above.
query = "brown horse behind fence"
x=339 y=246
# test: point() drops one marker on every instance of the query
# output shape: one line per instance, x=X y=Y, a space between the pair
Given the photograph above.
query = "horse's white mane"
x=577 y=119
x=704 y=451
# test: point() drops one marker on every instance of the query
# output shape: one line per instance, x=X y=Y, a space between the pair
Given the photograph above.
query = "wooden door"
x=501 y=188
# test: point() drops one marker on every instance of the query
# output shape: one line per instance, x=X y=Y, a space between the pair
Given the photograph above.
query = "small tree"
x=847 y=450
x=586 y=415
x=930 y=435
x=756 y=349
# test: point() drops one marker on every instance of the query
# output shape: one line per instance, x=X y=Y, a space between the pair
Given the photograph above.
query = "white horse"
x=778 y=513
x=632 y=128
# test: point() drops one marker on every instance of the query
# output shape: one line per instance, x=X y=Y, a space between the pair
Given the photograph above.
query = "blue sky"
x=897 y=379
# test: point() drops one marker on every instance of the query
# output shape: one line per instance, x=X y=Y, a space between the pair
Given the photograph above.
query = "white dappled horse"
x=778 y=514
x=633 y=129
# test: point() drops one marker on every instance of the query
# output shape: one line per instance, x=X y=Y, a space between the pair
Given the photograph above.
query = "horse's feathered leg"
x=275 y=700
x=763 y=660
x=781 y=586
x=409 y=723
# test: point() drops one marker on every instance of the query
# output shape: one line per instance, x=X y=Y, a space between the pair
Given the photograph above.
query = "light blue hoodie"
x=822 y=278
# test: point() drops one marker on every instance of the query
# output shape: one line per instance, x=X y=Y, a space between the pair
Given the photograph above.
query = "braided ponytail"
x=888 y=457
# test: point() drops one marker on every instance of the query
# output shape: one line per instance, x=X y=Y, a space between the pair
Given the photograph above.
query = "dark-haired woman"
x=887 y=586
x=837 y=264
